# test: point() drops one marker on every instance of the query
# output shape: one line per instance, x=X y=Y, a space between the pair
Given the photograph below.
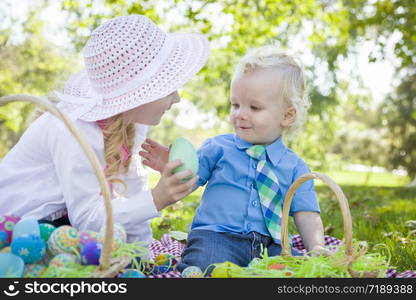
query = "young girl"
x=133 y=71
x=249 y=172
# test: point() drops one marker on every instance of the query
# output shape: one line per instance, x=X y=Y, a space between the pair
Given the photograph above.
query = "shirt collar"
x=275 y=150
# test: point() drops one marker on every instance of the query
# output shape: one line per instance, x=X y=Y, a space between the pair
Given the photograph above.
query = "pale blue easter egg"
x=183 y=150
x=11 y=265
x=27 y=226
x=31 y=248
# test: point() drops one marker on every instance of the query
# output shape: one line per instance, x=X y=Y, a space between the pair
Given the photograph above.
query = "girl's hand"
x=171 y=187
x=155 y=156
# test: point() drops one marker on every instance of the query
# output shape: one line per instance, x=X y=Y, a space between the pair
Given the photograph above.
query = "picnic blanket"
x=168 y=245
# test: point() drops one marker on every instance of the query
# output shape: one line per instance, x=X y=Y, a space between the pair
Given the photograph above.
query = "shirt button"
x=248 y=226
x=254 y=203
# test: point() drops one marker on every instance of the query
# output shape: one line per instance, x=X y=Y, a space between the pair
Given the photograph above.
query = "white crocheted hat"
x=129 y=61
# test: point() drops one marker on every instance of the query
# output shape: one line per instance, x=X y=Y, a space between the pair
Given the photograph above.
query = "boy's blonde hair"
x=291 y=80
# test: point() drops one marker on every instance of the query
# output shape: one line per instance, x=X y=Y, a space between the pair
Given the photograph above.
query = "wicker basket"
x=350 y=256
x=108 y=267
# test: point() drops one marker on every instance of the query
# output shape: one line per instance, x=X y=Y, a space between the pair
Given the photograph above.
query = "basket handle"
x=343 y=203
x=108 y=239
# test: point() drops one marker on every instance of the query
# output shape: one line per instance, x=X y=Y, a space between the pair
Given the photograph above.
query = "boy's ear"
x=289 y=117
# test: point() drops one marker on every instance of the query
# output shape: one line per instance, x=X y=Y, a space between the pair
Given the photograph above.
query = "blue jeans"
x=206 y=247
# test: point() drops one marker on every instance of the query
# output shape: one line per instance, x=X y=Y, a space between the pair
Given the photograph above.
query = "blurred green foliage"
x=33 y=66
x=331 y=31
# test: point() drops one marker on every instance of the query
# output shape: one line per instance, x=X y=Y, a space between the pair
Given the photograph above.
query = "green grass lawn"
x=379 y=216
x=367 y=178
x=379 y=213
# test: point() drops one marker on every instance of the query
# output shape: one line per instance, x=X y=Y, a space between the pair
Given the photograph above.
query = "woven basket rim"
x=346 y=216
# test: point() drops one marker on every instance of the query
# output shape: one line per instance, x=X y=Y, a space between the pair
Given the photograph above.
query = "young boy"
x=249 y=172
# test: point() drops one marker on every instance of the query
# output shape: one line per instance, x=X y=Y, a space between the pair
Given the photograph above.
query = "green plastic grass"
x=308 y=266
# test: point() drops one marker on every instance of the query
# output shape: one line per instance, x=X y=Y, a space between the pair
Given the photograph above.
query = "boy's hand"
x=156 y=156
x=171 y=187
x=309 y=225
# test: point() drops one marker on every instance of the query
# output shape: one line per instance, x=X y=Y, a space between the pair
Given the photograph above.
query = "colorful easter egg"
x=192 y=272
x=117 y=242
x=131 y=273
x=64 y=239
x=90 y=253
x=11 y=265
x=88 y=236
x=120 y=232
x=160 y=269
x=27 y=226
x=164 y=263
x=46 y=230
x=119 y=236
x=31 y=248
x=7 y=224
x=166 y=259
x=63 y=259
x=34 y=270
x=183 y=150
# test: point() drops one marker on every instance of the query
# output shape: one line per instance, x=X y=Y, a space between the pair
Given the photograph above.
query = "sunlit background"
x=359 y=57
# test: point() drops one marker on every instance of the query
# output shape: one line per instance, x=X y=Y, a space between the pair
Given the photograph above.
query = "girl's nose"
x=174 y=99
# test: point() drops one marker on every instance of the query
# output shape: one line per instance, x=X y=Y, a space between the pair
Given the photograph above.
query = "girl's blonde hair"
x=291 y=80
x=117 y=132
